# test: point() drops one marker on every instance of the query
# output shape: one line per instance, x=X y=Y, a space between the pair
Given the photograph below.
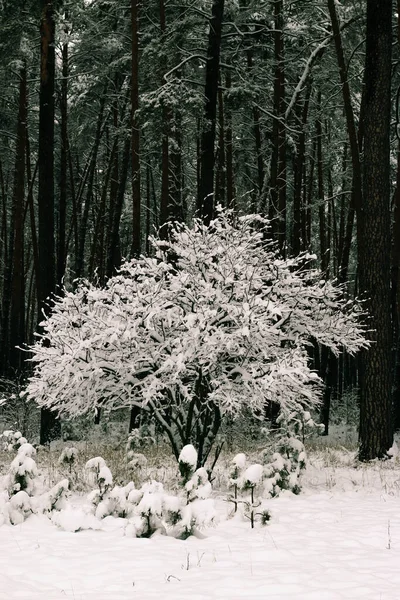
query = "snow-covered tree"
x=23 y=471
x=187 y=462
x=214 y=322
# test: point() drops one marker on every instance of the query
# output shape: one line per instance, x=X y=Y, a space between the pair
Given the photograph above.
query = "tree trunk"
x=298 y=173
x=62 y=209
x=376 y=432
x=13 y=308
x=277 y=211
x=205 y=199
x=352 y=135
x=89 y=177
x=136 y=199
x=50 y=424
x=321 y=192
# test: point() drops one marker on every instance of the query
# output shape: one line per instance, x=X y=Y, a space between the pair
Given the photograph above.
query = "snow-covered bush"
x=101 y=475
x=288 y=461
x=251 y=479
x=108 y=500
x=18 y=508
x=68 y=457
x=23 y=471
x=198 y=487
x=12 y=440
x=115 y=502
x=136 y=461
x=53 y=500
x=22 y=496
x=151 y=509
x=187 y=461
x=215 y=322
x=137 y=440
x=237 y=467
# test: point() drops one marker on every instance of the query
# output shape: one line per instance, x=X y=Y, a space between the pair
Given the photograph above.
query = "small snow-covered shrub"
x=198 y=487
x=20 y=498
x=18 y=508
x=108 y=500
x=101 y=475
x=284 y=470
x=151 y=509
x=187 y=461
x=237 y=467
x=139 y=439
x=199 y=511
x=68 y=457
x=194 y=517
x=136 y=461
x=23 y=471
x=115 y=502
x=53 y=500
x=12 y=440
x=251 y=479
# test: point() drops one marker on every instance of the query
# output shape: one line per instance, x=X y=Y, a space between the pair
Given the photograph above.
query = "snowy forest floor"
x=339 y=539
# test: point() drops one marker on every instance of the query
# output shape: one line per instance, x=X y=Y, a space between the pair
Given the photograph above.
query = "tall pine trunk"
x=50 y=424
x=135 y=148
x=205 y=199
x=376 y=432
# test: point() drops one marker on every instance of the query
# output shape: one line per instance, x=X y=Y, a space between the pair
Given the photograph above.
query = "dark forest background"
x=118 y=117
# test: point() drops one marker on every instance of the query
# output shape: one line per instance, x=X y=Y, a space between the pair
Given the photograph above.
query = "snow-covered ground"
x=340 y=539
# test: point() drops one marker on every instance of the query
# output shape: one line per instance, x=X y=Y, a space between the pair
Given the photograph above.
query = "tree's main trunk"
x=277 y=208
x=321 y=192
x=114 y=250
x=396 y=268
x=298 y=236
x=354 y=144
x=90 y=176
x=205 y=199
x=50 y=425
x=62 y=209
x=136 y=199
x=376 y=433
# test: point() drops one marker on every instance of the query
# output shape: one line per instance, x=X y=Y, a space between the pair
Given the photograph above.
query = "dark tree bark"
x=220 y=178
x=114 y=250
x=277 y=209
x=89 y=177
x=396 y=261
x=376 y=432
x=165 y=159
x=298 y=174
x=136 y=199
x=354 y=144
x=230 y=178
x=62 y=208
x=205 y=199
x=50 y=424
x=321 y=193
x=330 y=386
x=13 y=309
